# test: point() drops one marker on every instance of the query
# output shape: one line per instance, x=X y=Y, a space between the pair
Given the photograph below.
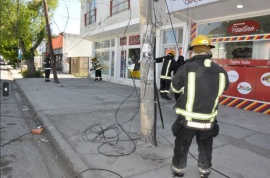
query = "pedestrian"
x=165 y=75
x=200 y=82
x=47 y=67
x=97 y=67
x=180 y=62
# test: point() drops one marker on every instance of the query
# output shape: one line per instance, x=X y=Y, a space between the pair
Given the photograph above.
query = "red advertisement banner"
x=249 y=82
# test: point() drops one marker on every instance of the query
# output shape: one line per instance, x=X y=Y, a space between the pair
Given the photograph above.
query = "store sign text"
x=191 y=1
x=134 y=40
x=240 y=62
x=243 y=27
x=177 y=5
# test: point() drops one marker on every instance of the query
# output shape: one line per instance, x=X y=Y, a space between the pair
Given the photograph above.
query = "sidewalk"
x=76 y=110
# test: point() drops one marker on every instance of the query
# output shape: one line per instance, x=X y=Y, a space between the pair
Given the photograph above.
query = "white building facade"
x=113 y=27
x=72 y=53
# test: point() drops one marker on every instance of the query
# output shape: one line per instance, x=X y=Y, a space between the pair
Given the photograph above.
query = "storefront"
x=119 y=58
x=242 y=47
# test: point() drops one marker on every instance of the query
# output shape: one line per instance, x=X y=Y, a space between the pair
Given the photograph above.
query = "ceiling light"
x=240 y=6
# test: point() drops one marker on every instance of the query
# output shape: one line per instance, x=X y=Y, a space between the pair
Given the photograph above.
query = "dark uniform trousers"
x=183 y=141
x=98 y=75
x=47 y=73
x=165 y=86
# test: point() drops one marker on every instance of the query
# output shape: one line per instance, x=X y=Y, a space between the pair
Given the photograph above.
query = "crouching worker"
x=97 y=67
x=201 y=82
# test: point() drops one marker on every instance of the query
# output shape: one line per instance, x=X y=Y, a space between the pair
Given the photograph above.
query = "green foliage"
x=22 y=25
x=39 y=74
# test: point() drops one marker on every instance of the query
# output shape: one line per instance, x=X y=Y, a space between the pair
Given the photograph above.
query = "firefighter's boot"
x=204 y=172
x=178 y=172
x=162 y=95
x=166 y=97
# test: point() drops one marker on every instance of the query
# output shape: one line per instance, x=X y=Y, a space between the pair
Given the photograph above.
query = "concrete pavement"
x=96 y=126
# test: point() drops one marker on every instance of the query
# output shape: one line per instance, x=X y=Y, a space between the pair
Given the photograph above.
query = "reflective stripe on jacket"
x=96 y=65
x=167 y=66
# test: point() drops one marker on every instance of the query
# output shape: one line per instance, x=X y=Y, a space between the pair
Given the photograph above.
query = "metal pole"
x=56 y=80
x=147 y=108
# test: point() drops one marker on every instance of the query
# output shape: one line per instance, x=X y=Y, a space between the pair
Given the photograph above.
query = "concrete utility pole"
x=148 y=120
x=56 y=80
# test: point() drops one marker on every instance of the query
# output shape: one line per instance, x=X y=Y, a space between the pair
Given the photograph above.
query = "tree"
x=23 y=27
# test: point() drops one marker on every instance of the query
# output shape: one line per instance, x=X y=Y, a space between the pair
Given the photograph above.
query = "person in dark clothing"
x=97 y=67
x=165 y=75
x=177 y=65
x=47 y=67
x=200 y=82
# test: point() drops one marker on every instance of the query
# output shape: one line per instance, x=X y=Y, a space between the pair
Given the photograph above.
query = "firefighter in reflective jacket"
x=180 y=61
x=165 y=75
x=47 y=67
x=200 y=83
x=97 y=67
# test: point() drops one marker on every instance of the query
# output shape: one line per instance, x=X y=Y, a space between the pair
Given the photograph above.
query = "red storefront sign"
x=249 y=79
x=243 y=27
x=123 y=41
x=134 y=40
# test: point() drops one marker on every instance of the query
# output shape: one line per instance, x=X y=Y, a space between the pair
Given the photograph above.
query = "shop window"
x=103 y=58
x=123 y=64
x=242 y=50
x=168 y=37
x=239 y=27
x=102 y=44
x=169 y=42
x=180 y=35
x=240 y=38
x=133 y=63
x=112 y=42
x=112 y=64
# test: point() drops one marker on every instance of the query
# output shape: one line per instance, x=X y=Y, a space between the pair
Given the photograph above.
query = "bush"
x=39 y=74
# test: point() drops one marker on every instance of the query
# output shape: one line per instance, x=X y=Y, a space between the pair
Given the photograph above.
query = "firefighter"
x=180 y=61
x=165 y=75
x=200 y=83
x=47 y=67
x=97 y=67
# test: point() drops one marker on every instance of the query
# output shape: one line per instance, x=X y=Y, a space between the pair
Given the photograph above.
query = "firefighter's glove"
x=215 y=130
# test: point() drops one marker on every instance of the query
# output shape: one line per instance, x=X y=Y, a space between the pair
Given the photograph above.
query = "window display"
x=240 y=38
x=133 y=63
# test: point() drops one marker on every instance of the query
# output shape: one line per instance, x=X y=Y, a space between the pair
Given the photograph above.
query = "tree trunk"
x=31 y=65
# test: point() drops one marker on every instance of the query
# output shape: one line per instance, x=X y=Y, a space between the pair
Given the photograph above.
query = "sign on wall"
x=243 y=27
x=134 y=40
x=176 y=5
x=249 y=79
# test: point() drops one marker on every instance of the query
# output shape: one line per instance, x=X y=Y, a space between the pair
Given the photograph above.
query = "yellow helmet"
x=171 y=52
x=200 y=40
